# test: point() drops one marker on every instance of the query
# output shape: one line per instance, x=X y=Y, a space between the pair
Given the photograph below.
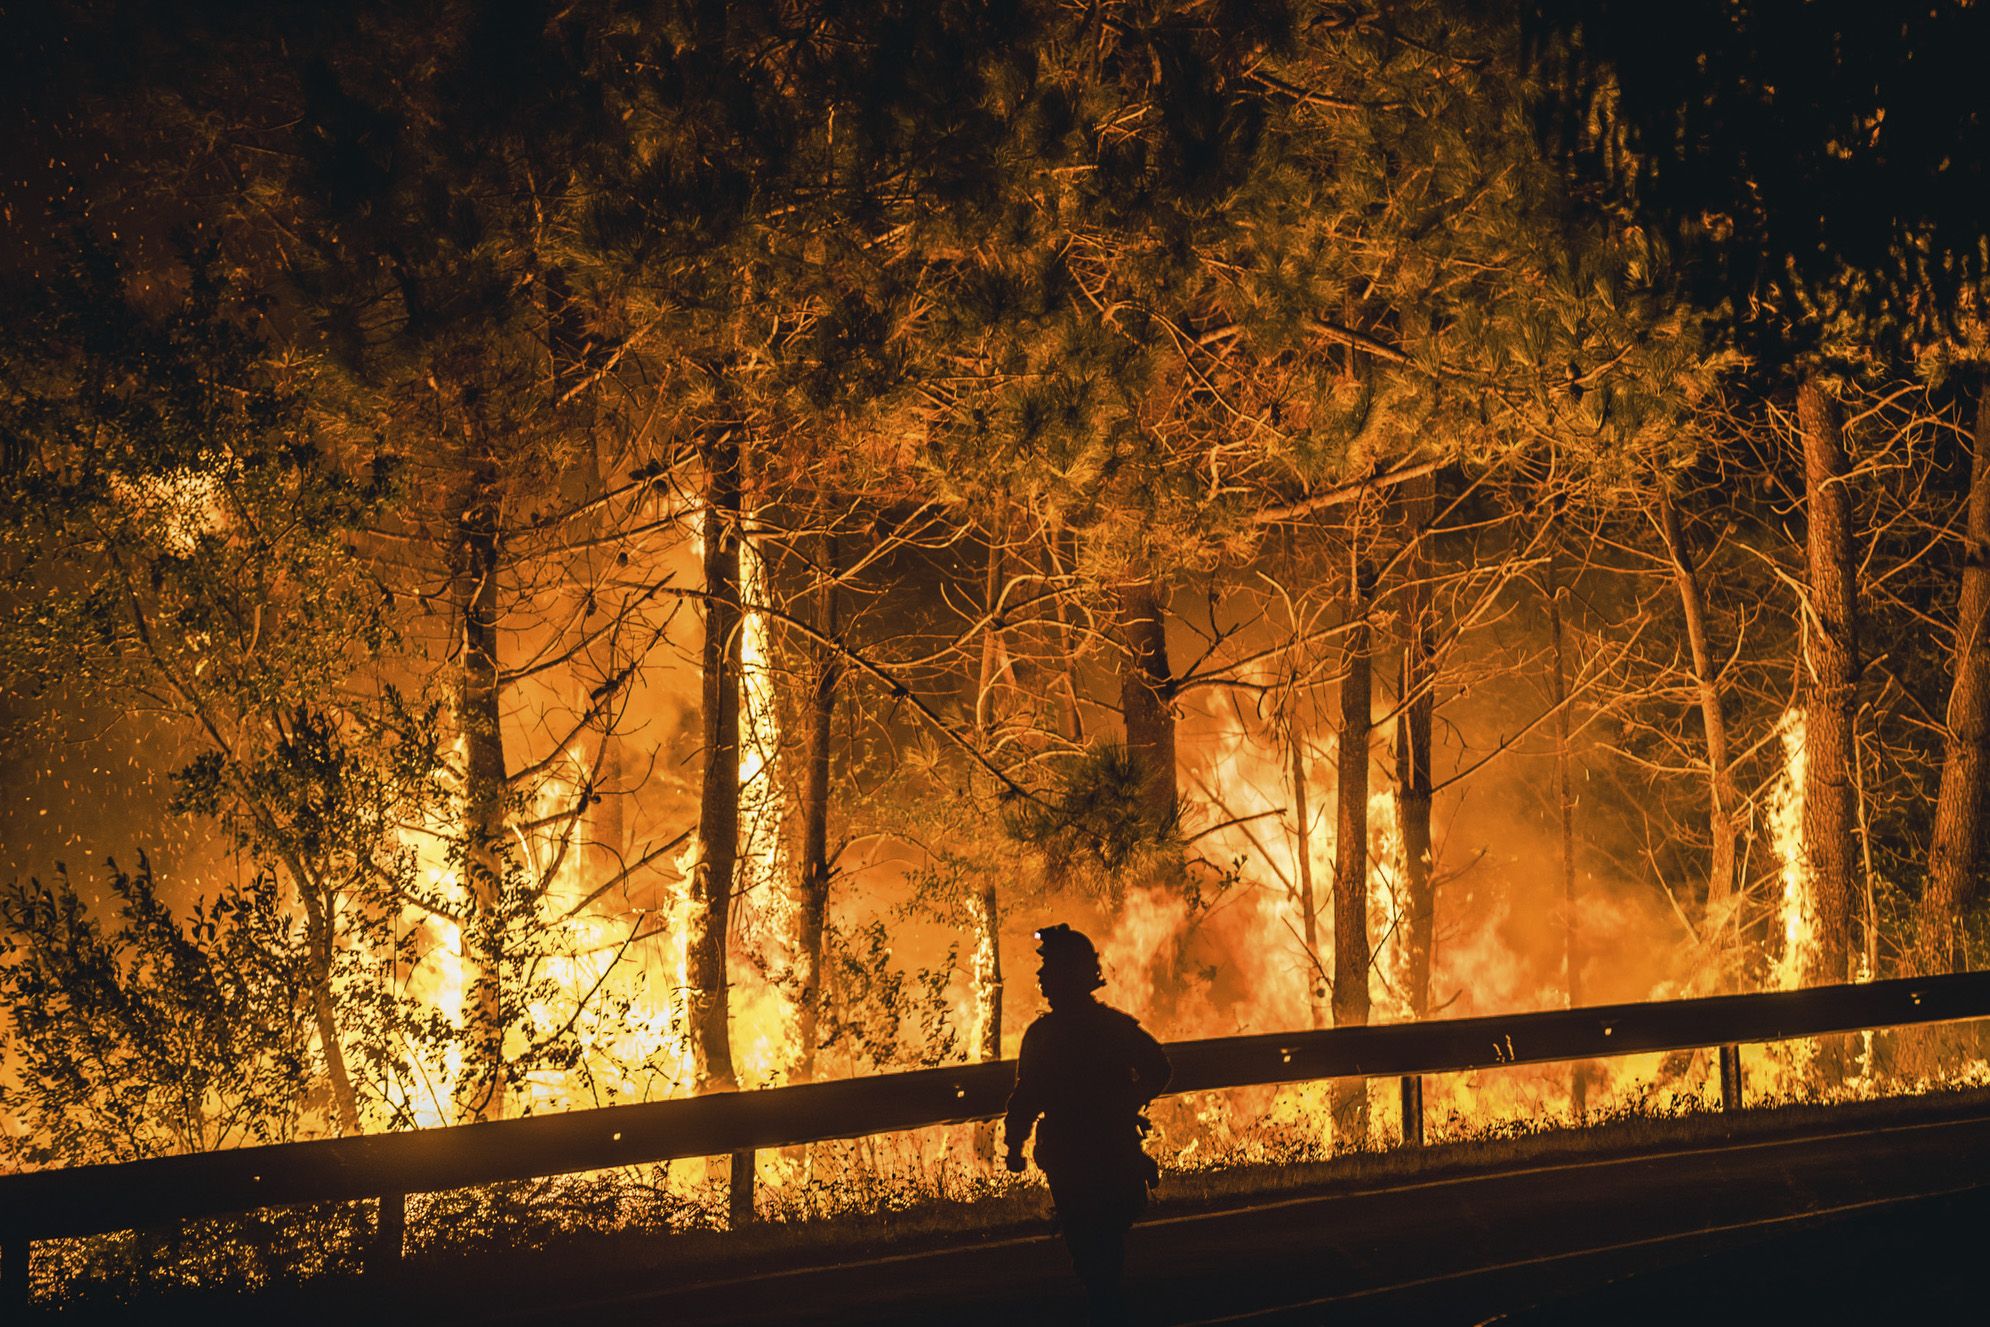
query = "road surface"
x=1793 y=1228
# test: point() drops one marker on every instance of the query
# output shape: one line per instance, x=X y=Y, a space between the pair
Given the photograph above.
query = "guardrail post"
x=1412 y=1110
x=15 y=1289
x=739 y=1195
x=1731 y=1077
x=390 y=1228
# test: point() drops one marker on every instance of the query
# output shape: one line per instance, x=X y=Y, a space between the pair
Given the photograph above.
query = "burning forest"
x=567 y=556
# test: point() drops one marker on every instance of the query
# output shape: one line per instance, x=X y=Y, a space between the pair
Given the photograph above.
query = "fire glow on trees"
x=1100 y=407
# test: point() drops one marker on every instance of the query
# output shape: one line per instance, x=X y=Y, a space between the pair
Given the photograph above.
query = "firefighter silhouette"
x=1089 y=1071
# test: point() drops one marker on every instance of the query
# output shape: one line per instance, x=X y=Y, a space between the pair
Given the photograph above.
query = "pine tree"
x=1855 y=246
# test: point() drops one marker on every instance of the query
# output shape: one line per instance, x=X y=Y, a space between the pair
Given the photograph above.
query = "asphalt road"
x=1875 y=1223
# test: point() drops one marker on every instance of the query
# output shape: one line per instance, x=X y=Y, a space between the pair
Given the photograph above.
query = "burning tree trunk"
x=984 y=907
x=718 y=800
x=1831 y=680
x=1723 y=910
x=1565 y=805
x=987 y=976
x=481 y=1090
x=1351 y=956
x=1417 y=699
x=1146 y=689
x=1957 y=842
x=815 y=812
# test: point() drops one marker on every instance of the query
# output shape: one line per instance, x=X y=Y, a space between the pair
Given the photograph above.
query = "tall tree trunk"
x=1572 y=955
x=605 y=822
x=988 y=979
x=1302 y=835
x=815 y=809
x=1830 y=817
x=1067 y=682
x=984 y=908
x=1958 y=836
x=1417 y=701
x=993 y=675
x=987 y=975
x=718 y=798
x=1146 y=692
x=1351 y=953
x=481 y=1090
x=600 y=830
x=1723 y=911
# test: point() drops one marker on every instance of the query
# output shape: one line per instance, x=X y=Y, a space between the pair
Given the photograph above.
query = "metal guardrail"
x=86 y=1200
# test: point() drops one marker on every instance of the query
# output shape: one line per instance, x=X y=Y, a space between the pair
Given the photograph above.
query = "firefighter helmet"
x=1069 y=955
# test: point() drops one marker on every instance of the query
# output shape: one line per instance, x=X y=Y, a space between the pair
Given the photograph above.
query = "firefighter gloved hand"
x=1015 y=1162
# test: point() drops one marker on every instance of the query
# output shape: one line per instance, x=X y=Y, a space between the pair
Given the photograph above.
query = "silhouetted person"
x=1089 y=1071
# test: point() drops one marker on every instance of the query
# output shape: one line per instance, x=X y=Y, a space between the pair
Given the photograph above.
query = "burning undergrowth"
x=1204 y=932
